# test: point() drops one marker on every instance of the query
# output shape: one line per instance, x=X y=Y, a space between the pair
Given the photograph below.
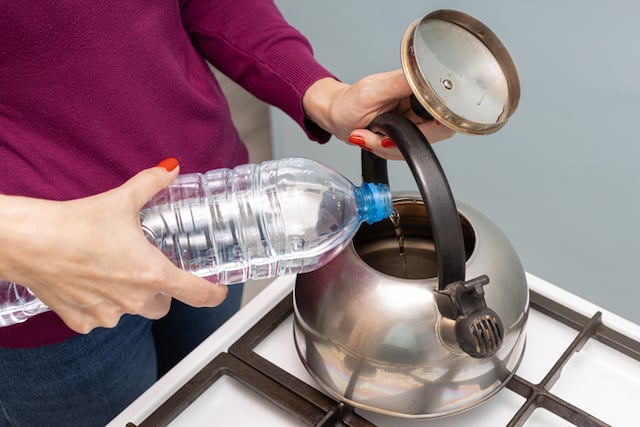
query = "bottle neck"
x=374 y=202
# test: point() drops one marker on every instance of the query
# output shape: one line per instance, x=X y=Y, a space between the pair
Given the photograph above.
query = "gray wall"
x=561 y=178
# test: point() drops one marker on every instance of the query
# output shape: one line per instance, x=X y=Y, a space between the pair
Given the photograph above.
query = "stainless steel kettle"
x=420 y=316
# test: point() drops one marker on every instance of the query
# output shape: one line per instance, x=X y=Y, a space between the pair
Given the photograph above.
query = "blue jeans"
x=88 y=379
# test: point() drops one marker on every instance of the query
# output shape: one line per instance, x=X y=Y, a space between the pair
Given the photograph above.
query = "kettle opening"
x=402 y=246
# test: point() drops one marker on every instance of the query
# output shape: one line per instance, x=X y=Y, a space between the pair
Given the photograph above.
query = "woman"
x=91 y=93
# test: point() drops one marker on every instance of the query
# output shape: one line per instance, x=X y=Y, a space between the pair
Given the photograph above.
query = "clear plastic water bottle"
x=252 y=222
x=18 y=303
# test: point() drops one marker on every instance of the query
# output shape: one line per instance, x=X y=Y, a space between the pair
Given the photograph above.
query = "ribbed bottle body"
x=18 y=303
x=255 y=221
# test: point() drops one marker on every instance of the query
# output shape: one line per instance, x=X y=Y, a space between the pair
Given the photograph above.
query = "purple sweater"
x=92 y=92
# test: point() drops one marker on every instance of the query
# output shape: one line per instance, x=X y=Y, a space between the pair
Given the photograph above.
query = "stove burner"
x=311 y=407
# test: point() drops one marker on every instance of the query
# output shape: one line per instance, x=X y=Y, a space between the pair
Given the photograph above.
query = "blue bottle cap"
x=375 y=202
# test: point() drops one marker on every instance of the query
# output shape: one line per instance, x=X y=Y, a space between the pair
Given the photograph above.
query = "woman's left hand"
x=346 y=110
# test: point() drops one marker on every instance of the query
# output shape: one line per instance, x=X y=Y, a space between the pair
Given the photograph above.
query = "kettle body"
x=424 y=315
x=367 y=324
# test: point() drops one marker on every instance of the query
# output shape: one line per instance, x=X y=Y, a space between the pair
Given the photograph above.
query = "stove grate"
x=313 y=408
x=325 y=413
x=538 y=395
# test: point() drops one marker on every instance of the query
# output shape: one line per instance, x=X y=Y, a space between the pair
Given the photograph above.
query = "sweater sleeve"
x=251 y=42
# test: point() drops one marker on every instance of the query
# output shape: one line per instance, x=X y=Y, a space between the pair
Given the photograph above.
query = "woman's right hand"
x=345 y=110
x=89 y=261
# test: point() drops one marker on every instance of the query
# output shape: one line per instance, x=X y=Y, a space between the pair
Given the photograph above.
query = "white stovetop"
x=614 y=377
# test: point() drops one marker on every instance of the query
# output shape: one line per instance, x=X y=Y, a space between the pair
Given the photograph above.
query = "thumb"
x=393 y=85
x=147 y=183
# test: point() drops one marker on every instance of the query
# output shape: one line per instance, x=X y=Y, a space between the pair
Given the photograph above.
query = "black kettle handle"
x=433 y=186
x=478 y=329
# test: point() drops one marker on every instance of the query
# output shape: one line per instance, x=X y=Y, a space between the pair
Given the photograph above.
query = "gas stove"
x=581 y=367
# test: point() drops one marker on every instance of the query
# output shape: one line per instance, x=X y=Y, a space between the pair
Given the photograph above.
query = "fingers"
x=385 y=147
x=105 y=311
x=84 y=320
x=144 y=185
x=434 y=131
x=196 y=291
x=385 y=92
x=158 y=307
x=380 y=145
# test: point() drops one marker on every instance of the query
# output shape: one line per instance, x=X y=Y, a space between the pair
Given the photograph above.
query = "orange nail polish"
x=169 y=164
x=387 y=143
x=357 y=140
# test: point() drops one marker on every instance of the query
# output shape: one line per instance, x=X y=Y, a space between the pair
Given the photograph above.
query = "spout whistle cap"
x=479 y=334
x=478 y=329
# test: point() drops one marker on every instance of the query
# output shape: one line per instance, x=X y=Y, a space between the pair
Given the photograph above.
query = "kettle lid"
x=460 y=72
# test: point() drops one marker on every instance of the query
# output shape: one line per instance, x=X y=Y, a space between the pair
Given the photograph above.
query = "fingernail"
x=169 y=164
x=437 y=122
x=387 y=142
x=357 y=140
